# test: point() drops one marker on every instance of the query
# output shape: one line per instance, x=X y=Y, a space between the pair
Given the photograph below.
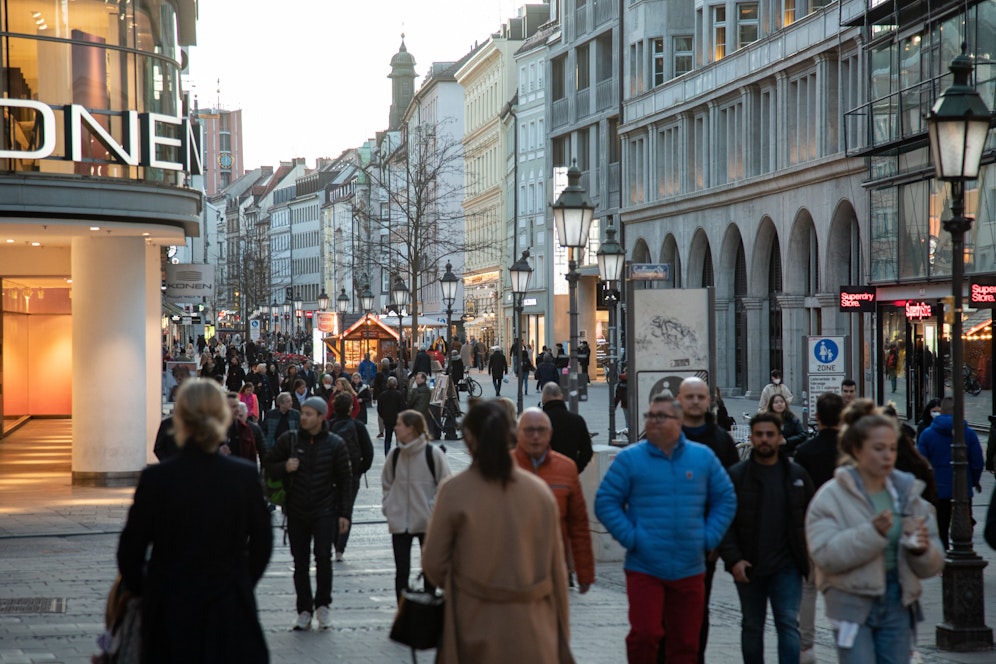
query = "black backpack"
x=429 y=459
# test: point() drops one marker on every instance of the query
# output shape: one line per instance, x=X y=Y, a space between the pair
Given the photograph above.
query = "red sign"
x=857 y=298
x=918 y=310
x=982 y=293
x=309 y=314
x=326 y=322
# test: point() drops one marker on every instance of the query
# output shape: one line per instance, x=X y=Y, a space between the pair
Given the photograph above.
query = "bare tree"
x=253 y=267
x=420 y=222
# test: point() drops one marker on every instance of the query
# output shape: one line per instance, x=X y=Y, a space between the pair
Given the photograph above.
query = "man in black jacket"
x=698 y=426
x=389 y=404
x=360 y=447
x=314 y=466
x=818 y=456
x=765 y=547
x=570 y=431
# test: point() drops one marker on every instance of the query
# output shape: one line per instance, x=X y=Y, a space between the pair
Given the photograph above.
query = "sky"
x=311 y=75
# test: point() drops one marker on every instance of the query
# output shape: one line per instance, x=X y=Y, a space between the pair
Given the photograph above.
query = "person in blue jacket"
x=935 y=445
x=668 y=501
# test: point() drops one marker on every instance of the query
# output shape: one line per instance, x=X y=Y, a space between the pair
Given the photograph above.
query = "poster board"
x=670 y=336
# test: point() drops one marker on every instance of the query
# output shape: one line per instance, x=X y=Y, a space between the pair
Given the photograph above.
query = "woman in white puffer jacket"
x=410 y=485
x=872 y=538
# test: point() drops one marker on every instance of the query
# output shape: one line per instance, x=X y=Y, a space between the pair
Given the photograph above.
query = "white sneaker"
x=324 y=614
x=303 y=622
x=807 y=656
x=338 y=556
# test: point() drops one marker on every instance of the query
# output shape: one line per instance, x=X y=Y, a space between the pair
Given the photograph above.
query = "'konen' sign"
x=145 y=137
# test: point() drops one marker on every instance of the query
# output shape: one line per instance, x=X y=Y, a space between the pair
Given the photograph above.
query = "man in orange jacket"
x=533 y=453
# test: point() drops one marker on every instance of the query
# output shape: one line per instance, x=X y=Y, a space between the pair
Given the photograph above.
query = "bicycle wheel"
x=473 y=387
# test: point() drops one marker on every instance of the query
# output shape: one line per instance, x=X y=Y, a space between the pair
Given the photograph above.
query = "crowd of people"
x=859 y=512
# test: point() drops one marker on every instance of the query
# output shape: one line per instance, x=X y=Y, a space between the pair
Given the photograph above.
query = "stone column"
x=834 y=322
x=757 y=363
x=725 y=344
x=116 y=376
x=794 y=325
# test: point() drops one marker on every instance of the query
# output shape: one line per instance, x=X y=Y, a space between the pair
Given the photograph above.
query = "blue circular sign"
x=826 y=351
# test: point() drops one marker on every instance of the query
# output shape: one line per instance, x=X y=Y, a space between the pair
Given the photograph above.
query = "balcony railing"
x=582 y=103
x=560 y=112
x=891 y=118
x=605 y=94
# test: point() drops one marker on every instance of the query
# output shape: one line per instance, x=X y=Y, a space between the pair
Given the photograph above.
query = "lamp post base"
x=963 y=629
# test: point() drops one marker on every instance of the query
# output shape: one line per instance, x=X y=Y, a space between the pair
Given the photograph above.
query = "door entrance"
x=924 y=372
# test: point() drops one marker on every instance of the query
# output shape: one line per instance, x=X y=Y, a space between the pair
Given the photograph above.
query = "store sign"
x=326 y=322
x=151 y=140
x=857 y=298
x=187 y=282
x=918 y=310
x=982 y=293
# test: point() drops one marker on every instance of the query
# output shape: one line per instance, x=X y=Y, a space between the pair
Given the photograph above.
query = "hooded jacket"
x=409 y=487
x=935 y=445
x=849 y=553
x=666 y=511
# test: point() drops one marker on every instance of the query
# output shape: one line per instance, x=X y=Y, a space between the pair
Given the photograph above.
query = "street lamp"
x=958 y=126
x=401 y=297
x=611 y=259
x=572 y=215
x=367 y=302
x=342 y=302
x=264 y=313
x=323 y=300
x=519 y=274
x=449 y=283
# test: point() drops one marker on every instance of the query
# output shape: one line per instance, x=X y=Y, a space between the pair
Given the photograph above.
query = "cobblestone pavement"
x=58 y=541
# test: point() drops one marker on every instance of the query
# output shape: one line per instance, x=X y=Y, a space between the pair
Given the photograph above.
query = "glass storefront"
x=104 y=56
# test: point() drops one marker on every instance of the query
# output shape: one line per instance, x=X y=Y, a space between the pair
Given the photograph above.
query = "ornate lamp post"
x=402 y=297
x=367 y=302
x=611 y=258
x=519 y=274
x=449 y=283
x=342 y=302
x=958 y=125
x=287 y=313
x=275 y=312
x=323 y=300
x=572 y=215
x=264 y=313
x=297 y=309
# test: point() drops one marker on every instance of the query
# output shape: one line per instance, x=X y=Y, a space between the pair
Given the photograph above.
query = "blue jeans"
x=885 y=636
x=784 y=589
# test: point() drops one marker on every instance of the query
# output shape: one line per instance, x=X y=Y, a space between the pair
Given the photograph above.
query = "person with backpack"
x=411 y=475
x=357 y=439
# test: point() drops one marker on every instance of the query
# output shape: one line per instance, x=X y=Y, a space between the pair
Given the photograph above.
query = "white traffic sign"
x=254 y=330
x=826 y=356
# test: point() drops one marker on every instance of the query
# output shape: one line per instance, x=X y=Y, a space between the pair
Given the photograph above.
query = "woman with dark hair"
x=273 y=376
x=792 y=430
x=932 y=408
x=289 y=377
x=507 y=602
x=410 y=483
x=909 y=459
x=872 y=538
x=197 y=583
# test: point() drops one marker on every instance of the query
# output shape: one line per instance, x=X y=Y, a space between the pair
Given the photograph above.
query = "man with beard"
x=765 y=548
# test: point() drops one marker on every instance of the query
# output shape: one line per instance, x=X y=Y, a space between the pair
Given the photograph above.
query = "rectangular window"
x=747 y=23
x=658 y=61
x=719 y=32
x=683 y=55
x=558 y=69
x=788 y=12
x=583 y=68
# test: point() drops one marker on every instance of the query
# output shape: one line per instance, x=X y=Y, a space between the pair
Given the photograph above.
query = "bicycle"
x=971 y=380
x=470 y=386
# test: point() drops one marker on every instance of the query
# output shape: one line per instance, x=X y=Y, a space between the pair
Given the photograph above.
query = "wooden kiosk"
x=367 y=335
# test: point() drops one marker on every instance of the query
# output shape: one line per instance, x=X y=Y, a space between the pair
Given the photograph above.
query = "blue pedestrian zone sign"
x=826 y=351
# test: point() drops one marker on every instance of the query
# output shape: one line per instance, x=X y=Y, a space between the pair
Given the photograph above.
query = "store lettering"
x=854 y=300
x=981 y=293
x=143 y=136
x=918 y=310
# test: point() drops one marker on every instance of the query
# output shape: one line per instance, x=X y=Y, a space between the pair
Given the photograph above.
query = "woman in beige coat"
x=872 y=538
x=494 y=546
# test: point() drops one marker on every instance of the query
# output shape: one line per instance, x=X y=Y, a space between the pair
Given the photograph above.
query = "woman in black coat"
x=792 y=430
x=204 y=516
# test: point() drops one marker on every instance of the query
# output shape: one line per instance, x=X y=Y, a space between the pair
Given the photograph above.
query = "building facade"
x=222 y=147
x=84 y=218
x=775 y=225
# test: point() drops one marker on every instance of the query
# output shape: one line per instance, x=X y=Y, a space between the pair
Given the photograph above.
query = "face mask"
x=776 y=381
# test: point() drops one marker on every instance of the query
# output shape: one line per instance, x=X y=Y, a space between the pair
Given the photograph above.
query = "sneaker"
x=807 y=656
x=303 y=622
x=324 y=614
x=338 y=556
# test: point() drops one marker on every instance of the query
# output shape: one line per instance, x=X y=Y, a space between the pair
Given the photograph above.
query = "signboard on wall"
x=982 y=292
x=857 y=298
x=826 y=367
x=188 y=282
x=670 y=336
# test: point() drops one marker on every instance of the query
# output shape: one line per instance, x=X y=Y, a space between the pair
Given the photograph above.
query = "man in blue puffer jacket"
x=667 y=500
x=935 y=445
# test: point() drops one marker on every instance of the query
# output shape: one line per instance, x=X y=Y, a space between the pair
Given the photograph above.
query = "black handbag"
x=419 y=621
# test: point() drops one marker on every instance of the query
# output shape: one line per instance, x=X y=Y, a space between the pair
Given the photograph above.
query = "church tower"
x=402 y=84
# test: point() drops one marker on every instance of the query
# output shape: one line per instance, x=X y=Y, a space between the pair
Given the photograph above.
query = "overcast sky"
x=311 y=75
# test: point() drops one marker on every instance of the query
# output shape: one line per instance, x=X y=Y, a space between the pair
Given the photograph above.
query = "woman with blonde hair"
x=343 y=385
x=197 y=583
x=872 y=538
x=504 y=603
